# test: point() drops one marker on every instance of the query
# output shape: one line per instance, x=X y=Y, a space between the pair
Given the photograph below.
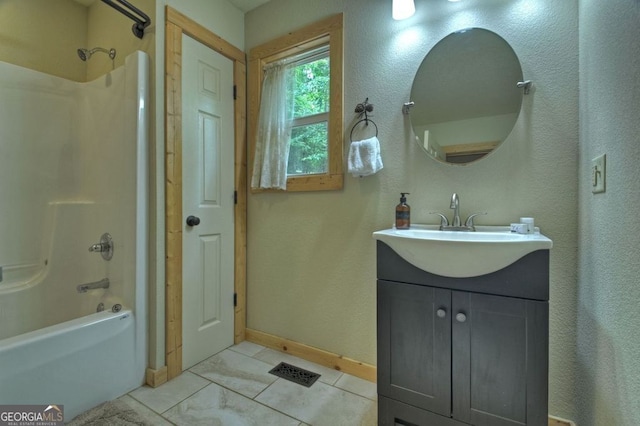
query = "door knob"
x=193 y=221
x=441 y=313
x=461 y=317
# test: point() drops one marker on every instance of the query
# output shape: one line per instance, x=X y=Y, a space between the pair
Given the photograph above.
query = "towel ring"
x=368 y=120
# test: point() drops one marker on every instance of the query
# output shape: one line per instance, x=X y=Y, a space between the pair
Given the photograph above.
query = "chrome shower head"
x=85 y=54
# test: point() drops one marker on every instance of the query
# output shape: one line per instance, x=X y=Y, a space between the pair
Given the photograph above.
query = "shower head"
x=85 y=54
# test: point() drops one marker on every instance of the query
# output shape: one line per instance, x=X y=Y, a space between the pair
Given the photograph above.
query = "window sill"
x=325 y=182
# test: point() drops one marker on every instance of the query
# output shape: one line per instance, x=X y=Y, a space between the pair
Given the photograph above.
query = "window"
x=312 y=58
x=308 y=95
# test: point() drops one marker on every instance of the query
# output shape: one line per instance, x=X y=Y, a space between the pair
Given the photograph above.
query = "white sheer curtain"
x=274 y=130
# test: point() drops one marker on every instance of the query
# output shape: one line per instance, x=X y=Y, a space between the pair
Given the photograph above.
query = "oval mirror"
x=466 y=101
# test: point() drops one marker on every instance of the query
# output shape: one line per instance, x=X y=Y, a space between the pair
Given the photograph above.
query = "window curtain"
x=274 y=130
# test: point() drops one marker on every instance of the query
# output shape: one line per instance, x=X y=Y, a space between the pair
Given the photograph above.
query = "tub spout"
x=103 y=283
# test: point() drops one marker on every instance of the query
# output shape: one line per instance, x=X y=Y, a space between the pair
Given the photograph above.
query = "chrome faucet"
x=103 y=283
x=455 y=205
x=456 y=223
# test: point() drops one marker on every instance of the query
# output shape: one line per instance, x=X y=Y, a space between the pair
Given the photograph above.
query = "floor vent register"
x=295 y=374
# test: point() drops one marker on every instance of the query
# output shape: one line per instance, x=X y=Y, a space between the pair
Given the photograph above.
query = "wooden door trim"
x=178 y=24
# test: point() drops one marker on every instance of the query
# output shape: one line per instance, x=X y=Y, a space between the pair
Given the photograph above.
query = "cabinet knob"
x=460 y=317
x=441 y=313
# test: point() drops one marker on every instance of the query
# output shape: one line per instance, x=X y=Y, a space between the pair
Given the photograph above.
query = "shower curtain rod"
x=140 y=24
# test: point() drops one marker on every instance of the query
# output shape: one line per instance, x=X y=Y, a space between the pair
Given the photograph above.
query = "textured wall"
x=311 y=258
x=608 y=346
x=43 y=35
x=108 y=28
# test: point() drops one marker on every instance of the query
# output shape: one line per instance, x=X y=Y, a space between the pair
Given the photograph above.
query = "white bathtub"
x=76 y=167
x=79 y=363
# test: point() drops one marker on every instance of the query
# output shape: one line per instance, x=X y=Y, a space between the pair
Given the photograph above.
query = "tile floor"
x=234 y=388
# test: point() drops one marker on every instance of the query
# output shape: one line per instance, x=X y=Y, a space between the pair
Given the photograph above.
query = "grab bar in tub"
x=103 y=283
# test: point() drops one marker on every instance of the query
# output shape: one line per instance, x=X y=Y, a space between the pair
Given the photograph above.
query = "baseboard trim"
x=155 y=378
x=319 y=356
x=557 y=421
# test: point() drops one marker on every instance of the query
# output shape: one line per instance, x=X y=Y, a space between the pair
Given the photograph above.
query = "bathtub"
x=79 y=363
x=80 y=172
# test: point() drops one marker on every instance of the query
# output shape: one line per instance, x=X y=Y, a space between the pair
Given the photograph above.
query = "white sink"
x=461 y=254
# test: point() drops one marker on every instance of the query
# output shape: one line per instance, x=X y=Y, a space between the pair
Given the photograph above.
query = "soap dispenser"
x=403 y=213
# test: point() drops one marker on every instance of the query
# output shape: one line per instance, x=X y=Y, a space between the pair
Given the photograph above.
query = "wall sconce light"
x=402 y=9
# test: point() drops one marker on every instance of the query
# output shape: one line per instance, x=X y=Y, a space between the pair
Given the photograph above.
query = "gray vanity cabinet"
x=462 y=351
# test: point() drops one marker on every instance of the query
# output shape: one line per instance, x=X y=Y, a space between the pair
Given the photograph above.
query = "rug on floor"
x=111 y=413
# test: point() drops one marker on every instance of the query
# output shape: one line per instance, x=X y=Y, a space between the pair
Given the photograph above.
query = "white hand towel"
x=364 y=157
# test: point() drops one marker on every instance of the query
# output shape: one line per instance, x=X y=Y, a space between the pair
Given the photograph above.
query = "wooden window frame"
x=327 y=31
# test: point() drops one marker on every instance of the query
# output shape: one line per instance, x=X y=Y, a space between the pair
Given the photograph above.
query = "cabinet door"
x=414 y=345
x=499 y=364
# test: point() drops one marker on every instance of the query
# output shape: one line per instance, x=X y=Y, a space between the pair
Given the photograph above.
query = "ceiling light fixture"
x=402 y=9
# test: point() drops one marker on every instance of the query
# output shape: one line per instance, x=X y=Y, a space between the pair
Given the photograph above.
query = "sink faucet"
x=455 y=205
x=456 y=223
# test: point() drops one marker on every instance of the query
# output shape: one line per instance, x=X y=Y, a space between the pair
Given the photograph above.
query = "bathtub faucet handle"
x=105 y=247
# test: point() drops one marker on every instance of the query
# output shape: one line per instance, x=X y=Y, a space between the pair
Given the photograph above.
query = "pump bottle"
x=403 y=213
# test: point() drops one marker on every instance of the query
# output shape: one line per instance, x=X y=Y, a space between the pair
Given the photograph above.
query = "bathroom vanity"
x=469 y=350
x=463 y=310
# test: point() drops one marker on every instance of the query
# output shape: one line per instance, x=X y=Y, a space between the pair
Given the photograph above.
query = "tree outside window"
x=309 y=96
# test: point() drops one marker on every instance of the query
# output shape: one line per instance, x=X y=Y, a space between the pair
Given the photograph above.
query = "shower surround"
x=73 y=166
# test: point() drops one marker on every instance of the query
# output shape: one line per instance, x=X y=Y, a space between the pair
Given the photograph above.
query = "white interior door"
x=207 y=194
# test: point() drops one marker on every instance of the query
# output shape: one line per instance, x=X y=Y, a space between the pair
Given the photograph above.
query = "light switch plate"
x=599 y=174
